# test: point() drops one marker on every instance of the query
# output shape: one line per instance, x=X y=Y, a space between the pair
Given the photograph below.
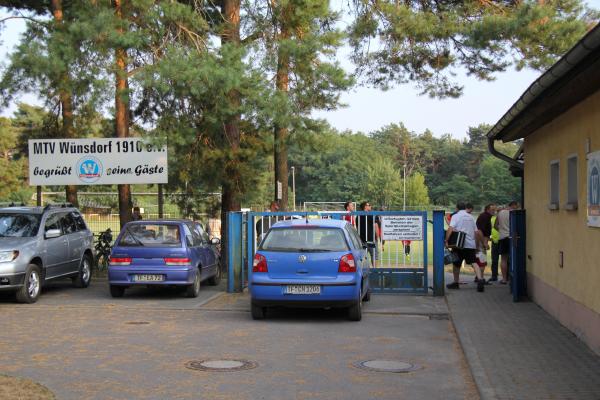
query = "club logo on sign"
x=89 y=169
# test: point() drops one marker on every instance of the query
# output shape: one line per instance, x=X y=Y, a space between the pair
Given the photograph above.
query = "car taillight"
x=177 y=261
x=260 y=263
x=120 y=261
x=347 y=264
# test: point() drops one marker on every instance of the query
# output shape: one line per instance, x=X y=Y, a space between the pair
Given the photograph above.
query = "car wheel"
x=117 y=291
x=355 y=310
x=84 y=276
x=193 y=290
x=32 y=285
x=257 y=311
x=215 y=280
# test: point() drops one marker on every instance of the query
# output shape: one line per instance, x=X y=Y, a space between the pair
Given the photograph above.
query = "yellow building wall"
x=549 y=232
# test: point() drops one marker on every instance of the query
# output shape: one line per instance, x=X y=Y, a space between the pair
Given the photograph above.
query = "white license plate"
x=303 y=289
x=148 y=278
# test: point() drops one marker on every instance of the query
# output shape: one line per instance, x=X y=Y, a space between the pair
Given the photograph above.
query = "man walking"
x=462 y=221
x=367 y=230
x=484 y=226
x=495 y=248
x=503 y=226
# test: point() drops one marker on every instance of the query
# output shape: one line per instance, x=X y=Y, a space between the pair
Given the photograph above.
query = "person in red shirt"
x=349 y=207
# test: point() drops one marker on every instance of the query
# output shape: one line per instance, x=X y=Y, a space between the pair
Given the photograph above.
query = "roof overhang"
x=572 y=79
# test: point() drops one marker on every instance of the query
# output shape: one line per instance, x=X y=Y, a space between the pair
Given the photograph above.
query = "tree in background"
x=427 y=42
x=13 y=171
x=299 y=44
x=49 y=62
x=383 y=186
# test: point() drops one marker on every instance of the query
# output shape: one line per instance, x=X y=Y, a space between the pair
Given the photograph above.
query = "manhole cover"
x=386 y=366
x=137 y=323
x=220 y=365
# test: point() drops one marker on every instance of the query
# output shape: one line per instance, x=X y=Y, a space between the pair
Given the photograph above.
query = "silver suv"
x=39 y=244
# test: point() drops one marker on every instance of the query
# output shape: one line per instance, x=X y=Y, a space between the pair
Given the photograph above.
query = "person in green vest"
x=495 y=250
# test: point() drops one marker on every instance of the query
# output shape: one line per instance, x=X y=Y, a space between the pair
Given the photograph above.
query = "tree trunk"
x=231 y=197
x=122 y=116
x=66 y=103
x=281 y=132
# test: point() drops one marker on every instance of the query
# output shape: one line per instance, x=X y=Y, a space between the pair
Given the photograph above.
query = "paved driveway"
x=81 y=343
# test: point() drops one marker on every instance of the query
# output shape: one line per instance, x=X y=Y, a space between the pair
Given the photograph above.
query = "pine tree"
x=427 y=42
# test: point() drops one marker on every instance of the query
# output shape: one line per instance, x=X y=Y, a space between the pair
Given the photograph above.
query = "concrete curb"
x=484 y=387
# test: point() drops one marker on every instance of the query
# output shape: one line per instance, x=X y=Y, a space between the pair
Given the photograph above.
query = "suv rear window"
x=305 y=240
x=19 y=225
x=154 y=235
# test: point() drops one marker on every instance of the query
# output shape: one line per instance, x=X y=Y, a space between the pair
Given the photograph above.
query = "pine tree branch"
x=23 y=17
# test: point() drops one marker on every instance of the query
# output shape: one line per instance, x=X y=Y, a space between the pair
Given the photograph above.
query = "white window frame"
x=554 y=203
x=572 y=192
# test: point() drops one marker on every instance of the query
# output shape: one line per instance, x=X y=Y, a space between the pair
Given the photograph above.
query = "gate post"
x=234 y=252
x=438 y=253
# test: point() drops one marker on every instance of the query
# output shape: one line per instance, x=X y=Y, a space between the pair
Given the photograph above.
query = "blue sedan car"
x=163 y=252
x=311 y=263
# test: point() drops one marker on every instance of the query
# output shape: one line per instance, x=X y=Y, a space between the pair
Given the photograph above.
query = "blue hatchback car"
x=163 y=252
x=311 y=263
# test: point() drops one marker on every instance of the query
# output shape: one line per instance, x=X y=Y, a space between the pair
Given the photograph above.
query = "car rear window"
x=151 y=235
x=19 y=225
x=305 y=240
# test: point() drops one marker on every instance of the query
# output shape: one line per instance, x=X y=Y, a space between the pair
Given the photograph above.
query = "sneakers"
x=453 y=285
x=503 y=282
x=481 y=285
x=493 y=279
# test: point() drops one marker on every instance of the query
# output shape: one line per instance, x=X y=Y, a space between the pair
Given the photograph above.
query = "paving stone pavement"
x=518 y=351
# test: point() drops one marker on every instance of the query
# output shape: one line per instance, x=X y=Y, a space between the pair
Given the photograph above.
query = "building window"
x=571 y=183
x=554 y=185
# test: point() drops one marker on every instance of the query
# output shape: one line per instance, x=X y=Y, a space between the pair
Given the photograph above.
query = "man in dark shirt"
x=484 y=229
x=367 y=230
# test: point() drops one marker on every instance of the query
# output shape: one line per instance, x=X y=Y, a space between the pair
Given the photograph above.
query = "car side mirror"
x=215 y=240
x=52 y=233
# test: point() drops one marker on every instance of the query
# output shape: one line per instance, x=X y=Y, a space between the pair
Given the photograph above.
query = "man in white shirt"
x=502 y=225
x=462 y=221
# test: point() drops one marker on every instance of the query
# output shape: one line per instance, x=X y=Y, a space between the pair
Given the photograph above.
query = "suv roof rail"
x=61 y=205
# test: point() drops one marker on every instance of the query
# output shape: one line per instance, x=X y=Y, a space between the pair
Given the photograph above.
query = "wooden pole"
x=161 y=200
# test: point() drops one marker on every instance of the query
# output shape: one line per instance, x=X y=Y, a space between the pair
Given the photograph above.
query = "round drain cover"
x=386 y=366
x=220 y=365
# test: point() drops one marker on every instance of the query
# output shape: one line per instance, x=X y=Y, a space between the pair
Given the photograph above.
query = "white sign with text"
x=96 y=162
x=402 y=227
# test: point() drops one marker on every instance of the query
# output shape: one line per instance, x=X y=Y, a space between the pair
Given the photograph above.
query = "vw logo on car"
x=89 y=169
x=302 y=258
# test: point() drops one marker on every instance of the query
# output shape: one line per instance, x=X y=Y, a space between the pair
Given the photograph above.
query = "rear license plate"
x=148 y=278
x=303 y=289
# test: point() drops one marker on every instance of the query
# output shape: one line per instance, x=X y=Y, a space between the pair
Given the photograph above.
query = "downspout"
x=503 y=157
x=513 y=163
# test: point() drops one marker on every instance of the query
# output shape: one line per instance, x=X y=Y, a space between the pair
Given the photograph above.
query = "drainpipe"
x=501 y=156
x=514 y=164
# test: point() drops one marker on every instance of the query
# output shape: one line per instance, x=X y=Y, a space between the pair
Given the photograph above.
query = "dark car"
x=163 y=253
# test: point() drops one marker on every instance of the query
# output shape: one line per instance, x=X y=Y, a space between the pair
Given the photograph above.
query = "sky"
x=370 y=109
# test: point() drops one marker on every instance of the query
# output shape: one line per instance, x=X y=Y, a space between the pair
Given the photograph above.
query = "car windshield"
x=296 y=239
x=19 y=225
x=151 y=235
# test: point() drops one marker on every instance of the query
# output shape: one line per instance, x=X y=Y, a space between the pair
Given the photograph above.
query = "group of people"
x=491 y=226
